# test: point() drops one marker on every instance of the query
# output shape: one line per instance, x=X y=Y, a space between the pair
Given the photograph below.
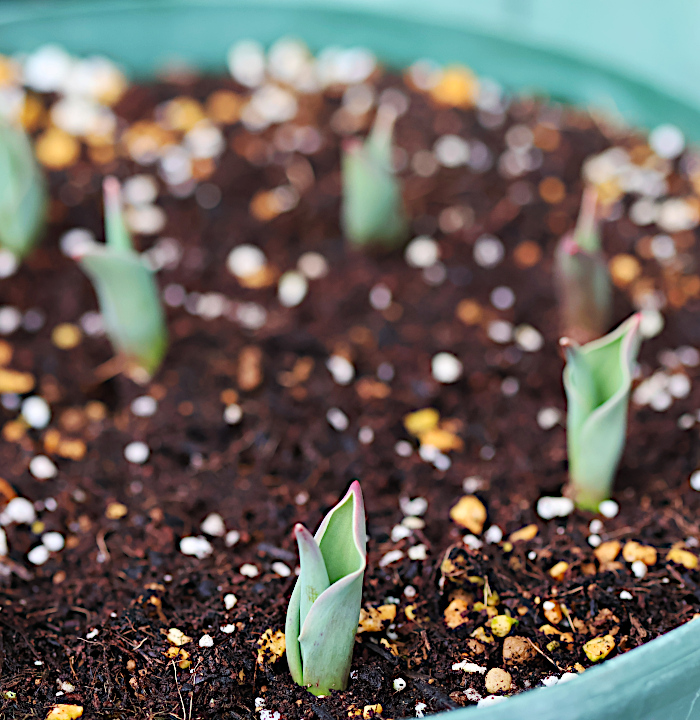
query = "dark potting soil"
x=92 y=625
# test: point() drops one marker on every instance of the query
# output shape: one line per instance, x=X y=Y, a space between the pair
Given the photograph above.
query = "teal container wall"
x=636 y=58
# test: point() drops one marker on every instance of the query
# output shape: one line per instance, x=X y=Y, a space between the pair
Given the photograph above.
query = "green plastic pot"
x=635 y=58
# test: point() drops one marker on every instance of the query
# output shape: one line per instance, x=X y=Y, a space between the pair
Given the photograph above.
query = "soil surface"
x=91 y=626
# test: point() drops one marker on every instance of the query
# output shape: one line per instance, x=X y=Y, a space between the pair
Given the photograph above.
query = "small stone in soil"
x=391 y=557
x=137 y=452
x=38 y=555
x=446 y=368
x=213 y=525
x=528 y=339
x=292 y=289
x=639 y=569
x=230 y=601
x=380 y=297
x=313 y=265
x=42 y=468
x=422 y=252
x=500 y=331
x=36 y=411
x=695 y=480
x=206 y=641
x=245 y=260
x=233 y=414
x=248 y=570
x=232 y=537
x=341 y=369
x=196 y=546
x=551 y=507
x=418 y=552
x=53 y=541
x=493 y=535
x=144 y=406
x=281 y=569
x=19 y=510
x=365 y=435
x=399 y=684
x=337 y=419
x=548 y=417
x=403 y=448
x=488 y=251
x=417 y=506
x=228 y=629
x=608 y=508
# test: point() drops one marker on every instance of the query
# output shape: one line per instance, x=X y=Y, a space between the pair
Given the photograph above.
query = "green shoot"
x=373 y=212
x=597 y=380
x=324 y=609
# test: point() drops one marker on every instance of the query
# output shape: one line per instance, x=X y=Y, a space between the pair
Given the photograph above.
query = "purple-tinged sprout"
x=582 y=278
x=324 y=609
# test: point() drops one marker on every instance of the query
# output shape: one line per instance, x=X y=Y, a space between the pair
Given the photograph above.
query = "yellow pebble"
x=56 y=149
x=599 y=648
x=183 y=113
x=38 y=527
x=457 y=87
x=624 y=269
x=469 y=312
x=502 y=624
x=636 y=551
x=224 y=107
x=607 y=551
x=441 y=439
x=370 y=711
x=66 y=336
x=682 y=557
x=526 y=533
x=65 y=712
x=13 y=381
x=177 y=637
x=115 y=511
x=559 y=570
x=421 y=421
x=6 y=351
x=469 y=513
x=498 y=680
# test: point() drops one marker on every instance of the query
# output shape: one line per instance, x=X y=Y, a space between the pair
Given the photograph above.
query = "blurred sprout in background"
x=127 y=293
x=23 y=199
x=581 y=275
x=373 y=212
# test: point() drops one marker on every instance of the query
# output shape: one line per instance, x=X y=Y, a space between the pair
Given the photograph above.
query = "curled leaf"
x=324 y=609
x=597 y=381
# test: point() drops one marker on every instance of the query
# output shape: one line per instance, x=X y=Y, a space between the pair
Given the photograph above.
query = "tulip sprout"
x=22 y=192
x=373 y=211
x=597 y=380
x=324 y=609
x=126 y=291
x=582 y=278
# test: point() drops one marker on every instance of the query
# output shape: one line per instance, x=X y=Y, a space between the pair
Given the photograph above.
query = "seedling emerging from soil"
x=597 y=380
x=324 y=609
x=127 y=292
x=22 y=192
x=582 y=278
x=373 y=212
